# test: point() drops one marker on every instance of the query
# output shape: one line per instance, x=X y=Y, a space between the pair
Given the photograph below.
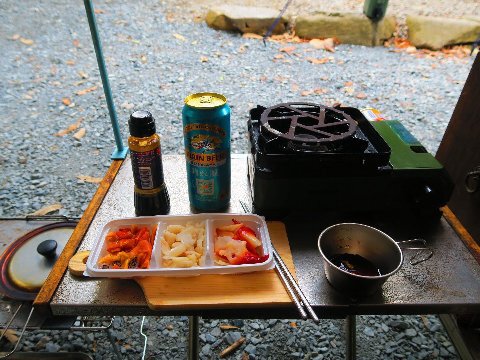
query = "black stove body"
x=308 y=157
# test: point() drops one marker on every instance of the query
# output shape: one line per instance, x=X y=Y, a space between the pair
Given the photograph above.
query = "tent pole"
x=121 y=151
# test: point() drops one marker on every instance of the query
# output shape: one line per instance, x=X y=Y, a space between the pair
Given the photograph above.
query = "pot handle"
x=423 y=251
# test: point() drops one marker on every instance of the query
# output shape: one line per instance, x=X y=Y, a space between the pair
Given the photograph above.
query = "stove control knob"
x=47 y=248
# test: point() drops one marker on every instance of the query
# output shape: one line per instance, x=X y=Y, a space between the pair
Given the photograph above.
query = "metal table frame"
x=414 y=290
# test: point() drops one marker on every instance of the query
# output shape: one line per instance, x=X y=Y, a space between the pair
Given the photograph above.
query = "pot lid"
x=26 y=264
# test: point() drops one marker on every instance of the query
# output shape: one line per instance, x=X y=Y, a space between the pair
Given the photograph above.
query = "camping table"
x=447 y=283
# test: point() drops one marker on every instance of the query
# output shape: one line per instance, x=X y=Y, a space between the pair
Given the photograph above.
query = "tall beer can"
x=206 y=132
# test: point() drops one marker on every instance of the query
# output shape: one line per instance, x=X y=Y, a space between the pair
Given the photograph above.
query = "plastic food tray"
x=212 y=221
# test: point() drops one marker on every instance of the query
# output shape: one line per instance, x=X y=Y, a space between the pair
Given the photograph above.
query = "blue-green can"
x=206 y=134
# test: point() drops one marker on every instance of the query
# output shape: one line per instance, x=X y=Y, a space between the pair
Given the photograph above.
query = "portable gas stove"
x=309 y=157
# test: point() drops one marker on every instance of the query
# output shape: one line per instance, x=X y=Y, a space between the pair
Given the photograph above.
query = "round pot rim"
x=380 y=277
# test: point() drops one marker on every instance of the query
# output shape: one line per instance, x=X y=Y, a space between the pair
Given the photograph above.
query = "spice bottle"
x=150 y=192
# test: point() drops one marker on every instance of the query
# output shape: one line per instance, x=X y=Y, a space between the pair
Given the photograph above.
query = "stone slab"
x=245 y=19
x=435 y=32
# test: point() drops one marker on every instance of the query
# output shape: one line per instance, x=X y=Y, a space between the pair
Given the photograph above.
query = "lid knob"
x=47 y=248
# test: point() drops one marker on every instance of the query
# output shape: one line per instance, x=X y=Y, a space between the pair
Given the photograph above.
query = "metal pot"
x=357 y=239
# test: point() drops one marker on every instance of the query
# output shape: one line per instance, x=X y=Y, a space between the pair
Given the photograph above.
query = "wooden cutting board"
x=261 y=288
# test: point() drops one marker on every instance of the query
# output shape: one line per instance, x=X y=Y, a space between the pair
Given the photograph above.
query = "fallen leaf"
x=410 y=49
x=232 y=347
x=317 y=43
x=127 y=106
x=318 y=61
x=279 y=56
x=349 y=89
x=80 y=134
x=203 y=59
x=288 y=49
x=306 y=92
x=293 y=324
x=26 y=41
x=15 y=37
x=143 y=59
x=87 y=90
x=47 y=210
x=179 y=37
x=11 y=336
x=76 y=43
x=361 y=95
x=90 y=179
x=348 y=83
x=70 y=62
x=70 y=128
x=320 y=91
x=66 y=101
x=83 y=74
x=99 y=11
x=228 y=327
x=263 y=78
x=329 y=44
x=252 y=36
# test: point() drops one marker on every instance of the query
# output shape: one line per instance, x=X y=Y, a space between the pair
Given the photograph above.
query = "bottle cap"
x=141 y=124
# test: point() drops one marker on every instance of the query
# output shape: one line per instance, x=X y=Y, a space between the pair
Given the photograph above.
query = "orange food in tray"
x=128 y=248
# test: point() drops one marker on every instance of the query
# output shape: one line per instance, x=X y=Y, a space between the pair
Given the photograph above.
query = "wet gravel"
x=50 y=82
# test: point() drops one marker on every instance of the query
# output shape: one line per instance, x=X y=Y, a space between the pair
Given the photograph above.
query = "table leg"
x=351 y=337
x=193 y=329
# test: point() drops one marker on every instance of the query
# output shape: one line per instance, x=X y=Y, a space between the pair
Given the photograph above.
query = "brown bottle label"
x=147 y=169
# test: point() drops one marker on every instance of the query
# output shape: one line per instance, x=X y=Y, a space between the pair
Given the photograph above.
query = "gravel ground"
x=157 y=54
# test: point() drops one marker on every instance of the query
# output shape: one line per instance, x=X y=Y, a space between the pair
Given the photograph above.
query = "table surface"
x=449 y=282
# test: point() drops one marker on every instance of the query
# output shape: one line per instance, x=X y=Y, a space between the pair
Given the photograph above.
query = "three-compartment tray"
x=207 y=261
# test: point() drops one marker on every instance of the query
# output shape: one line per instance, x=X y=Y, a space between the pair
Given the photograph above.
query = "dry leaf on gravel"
x=90 y=179
x=15 y=37
x=70 y=128
x=66 y=101
x=228 y=327
x=318 y=61
x=80 y=134
x=83 y=74
x=127 y=106
x=279 y=56
x=99 y=11
x=317 y=43
x=320 y=91
x=232 y=347
x=179 y=37
x=325 y=44
x=203 y=59
x=26 y=41
x=361 y=95
x=306 y=92
x=87 y=90
x=329 y=44
x=252 y=36
x=47 y=210
x=70 y=62
x=293 y=324
x=348 y=83
x=288 y=49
